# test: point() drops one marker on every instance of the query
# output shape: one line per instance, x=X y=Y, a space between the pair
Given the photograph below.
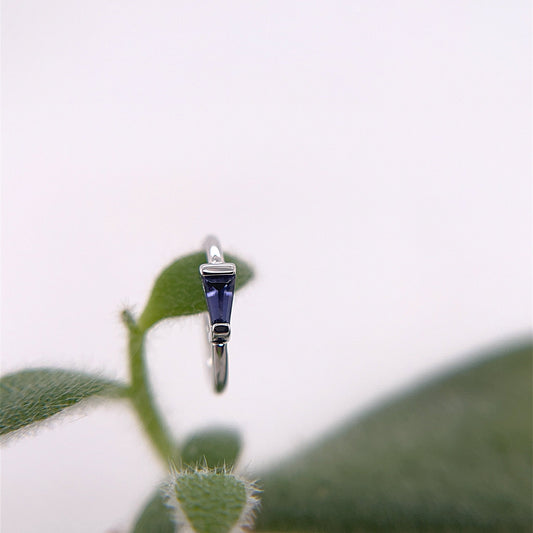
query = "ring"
x=218 y=279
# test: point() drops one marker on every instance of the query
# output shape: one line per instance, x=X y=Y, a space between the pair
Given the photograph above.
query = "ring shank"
x=213 y=250
x=219 y=353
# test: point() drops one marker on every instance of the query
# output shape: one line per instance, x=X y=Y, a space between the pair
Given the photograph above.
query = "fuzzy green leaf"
x=455 y=455
x=212 y=448
x=208 y=501
x=32 y=395
x=178 y=289
x=156 y=517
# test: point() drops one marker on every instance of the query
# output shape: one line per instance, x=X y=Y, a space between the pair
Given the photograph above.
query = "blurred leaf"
x=32 y=395
x=217 y=447
x=213 y=448
x=210 y=501
x=455 y=455
x=156 y=517
x=178 y=289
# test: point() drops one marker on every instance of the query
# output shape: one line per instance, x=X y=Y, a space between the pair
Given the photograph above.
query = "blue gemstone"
x=219 y=295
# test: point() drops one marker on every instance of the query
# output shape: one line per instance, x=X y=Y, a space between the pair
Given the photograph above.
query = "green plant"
x=452 y=455
x=202 y=491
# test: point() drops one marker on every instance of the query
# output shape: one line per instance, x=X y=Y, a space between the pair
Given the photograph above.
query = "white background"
x=370 y=158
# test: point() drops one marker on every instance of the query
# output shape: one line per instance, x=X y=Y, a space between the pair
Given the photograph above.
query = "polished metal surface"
x=216 y=269
x=213 y=250
x=220 y=365
x=220 y=333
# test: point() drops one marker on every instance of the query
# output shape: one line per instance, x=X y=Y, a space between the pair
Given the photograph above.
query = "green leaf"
x=455 y=455
x=178 y=289
x=156 y=517
x=212 y=447
x=32 y=395
x=211 y=501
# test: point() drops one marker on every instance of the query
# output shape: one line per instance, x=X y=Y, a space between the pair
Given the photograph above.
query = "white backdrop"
x=371 y=159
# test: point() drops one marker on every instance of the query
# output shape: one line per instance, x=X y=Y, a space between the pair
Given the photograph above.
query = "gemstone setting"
x=219 y=291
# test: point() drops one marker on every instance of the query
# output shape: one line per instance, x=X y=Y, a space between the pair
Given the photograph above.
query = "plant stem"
x=141 y=395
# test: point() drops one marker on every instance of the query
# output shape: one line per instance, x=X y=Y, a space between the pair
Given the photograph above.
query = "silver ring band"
x=218 y=280
x=213 y=250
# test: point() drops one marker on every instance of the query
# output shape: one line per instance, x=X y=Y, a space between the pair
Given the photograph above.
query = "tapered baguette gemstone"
x=219 y=291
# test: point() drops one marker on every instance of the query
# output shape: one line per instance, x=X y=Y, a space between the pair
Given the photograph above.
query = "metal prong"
x=220 y=365
x=216 y=269
x=220 y=333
